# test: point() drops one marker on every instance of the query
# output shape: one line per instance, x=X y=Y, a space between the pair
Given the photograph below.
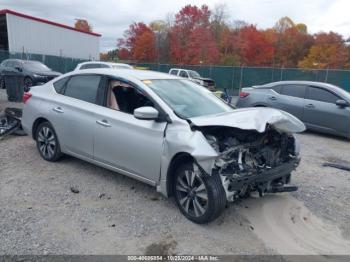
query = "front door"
x=124 y=142
x=321 y=111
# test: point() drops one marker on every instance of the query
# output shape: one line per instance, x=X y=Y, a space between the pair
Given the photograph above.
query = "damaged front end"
x=256 y=149
x=251 y=161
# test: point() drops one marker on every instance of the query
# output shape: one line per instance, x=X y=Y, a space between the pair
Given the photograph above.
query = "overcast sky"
x=111 y=17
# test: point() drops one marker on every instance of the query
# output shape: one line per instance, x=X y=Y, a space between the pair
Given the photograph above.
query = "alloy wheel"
x=192 y=193
x=47 y=142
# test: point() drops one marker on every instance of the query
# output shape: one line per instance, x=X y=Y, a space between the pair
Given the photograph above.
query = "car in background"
x=34 y=72
x=194 y=76
x=321 y=106
x=165 y=131
x=98 y=64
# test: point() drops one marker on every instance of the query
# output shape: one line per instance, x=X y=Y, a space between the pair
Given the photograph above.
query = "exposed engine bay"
x=252 y=161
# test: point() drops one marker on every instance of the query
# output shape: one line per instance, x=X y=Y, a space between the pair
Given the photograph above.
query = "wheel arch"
x=36 y=123
x=179 y=158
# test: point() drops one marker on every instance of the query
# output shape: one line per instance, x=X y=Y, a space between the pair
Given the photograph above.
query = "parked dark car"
x=34 y=72
x=321 y=106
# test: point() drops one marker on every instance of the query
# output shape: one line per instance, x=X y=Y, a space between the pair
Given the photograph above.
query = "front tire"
x=200 y=198
x=47 y=142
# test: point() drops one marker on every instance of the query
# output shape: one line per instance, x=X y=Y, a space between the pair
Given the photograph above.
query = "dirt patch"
x=287 y=226
x=163 y=247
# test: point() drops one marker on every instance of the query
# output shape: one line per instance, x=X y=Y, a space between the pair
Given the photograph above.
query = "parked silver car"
x=165 y=131
x=322 y=107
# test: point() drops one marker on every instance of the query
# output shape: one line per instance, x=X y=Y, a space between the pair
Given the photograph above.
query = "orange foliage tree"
x=197 y=35
x=83 y=25
x=138 y=43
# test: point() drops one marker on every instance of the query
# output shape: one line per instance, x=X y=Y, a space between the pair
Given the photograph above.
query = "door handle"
x=58 y=110
x=103 y=123
x=272 y=98
x=310 y=106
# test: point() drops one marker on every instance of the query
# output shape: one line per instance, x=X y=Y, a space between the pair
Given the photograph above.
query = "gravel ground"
x=113 y=214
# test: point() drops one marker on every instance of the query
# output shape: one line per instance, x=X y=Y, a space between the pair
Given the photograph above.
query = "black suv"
x=34 y=72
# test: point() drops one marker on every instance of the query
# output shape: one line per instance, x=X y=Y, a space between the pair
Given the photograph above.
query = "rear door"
x=77 y=106
x=321 y=111
x=291 y=99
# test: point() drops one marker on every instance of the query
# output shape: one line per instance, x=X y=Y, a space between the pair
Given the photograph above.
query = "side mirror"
x=146 y=113
x=341 y=103
x=19 y=69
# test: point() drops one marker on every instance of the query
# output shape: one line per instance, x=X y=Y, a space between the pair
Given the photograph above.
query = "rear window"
x=277 y=89
x=294 y=90
x=322 y=95
x=83 y=87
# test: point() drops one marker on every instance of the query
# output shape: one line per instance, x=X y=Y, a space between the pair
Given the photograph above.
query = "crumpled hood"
x=253 y=119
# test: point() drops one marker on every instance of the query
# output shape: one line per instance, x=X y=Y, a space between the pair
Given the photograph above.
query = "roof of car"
x=181 y=69
x=129 y=73
x=21 y=60
x=328 y=86
x=102 y=62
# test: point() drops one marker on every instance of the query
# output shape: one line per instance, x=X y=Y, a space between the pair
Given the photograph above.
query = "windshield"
x=35 y=66
x=194 y=74
x=186 y=98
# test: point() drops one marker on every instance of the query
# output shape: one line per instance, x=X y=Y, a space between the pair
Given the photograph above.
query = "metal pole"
x=233 y=77
x=327 y=74
x=241 y=79
x=281 y=73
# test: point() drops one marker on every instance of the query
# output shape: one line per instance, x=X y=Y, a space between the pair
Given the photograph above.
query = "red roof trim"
x=7 y=11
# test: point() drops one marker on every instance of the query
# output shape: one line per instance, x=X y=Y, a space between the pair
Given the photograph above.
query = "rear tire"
x=200 y=198
x=47 y=142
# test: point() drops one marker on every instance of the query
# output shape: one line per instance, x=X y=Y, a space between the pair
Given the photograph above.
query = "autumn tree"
x=254 y=47
x=291 y=42
x=191 y=38
x=329 y=51
x=161 y=30
x=83 y=25
x=218 y=21
x=139 y=41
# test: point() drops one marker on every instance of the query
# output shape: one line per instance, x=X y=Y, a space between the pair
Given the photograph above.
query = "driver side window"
x=124 y=97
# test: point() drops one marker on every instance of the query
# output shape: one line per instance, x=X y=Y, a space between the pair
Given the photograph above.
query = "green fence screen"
x=229 y=77
x=57 y=63
x=234 y=78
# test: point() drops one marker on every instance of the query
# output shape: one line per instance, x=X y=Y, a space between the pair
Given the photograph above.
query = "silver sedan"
x=167 y=132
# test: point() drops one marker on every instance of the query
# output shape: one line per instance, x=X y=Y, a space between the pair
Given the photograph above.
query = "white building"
x=23 y=33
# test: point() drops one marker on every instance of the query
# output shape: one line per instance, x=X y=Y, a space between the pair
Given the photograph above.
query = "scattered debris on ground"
x=10 y=122
x=74 y=189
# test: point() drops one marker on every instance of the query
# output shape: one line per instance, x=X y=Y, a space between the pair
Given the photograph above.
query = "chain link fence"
x=234 y=78
x=57 y=63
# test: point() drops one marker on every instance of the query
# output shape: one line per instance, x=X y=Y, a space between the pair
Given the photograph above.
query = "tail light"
x=243 y=94
x=26 y=97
